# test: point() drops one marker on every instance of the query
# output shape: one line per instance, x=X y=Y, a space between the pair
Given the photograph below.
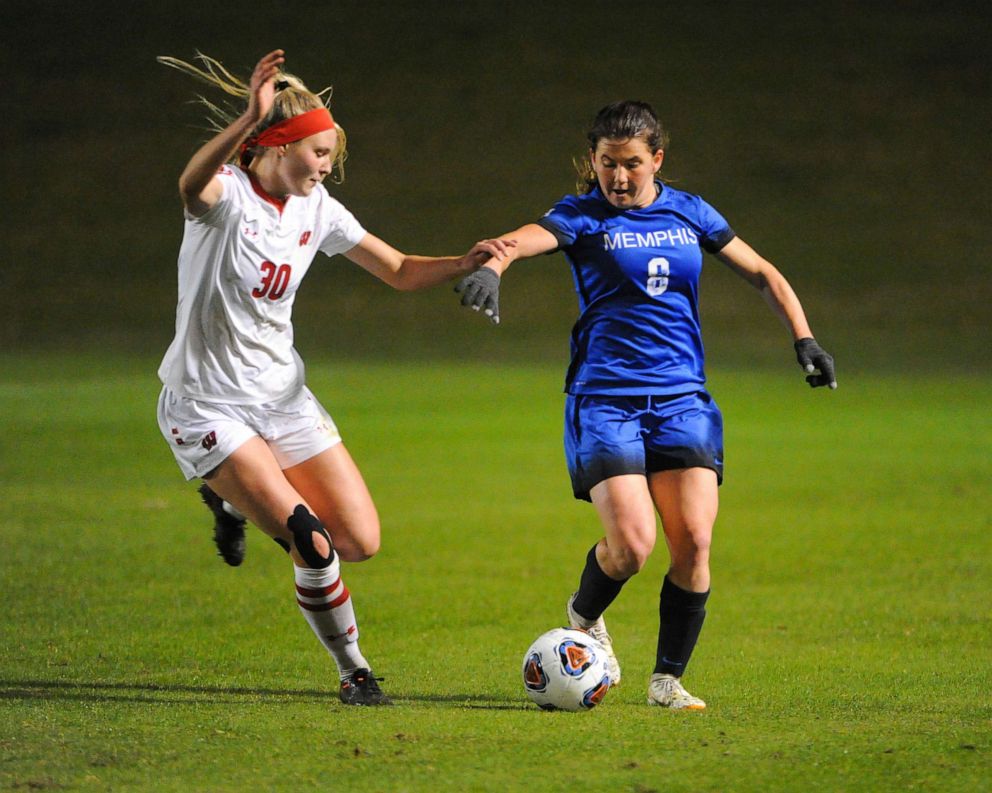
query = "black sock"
x=596 y=589
x=682 y=614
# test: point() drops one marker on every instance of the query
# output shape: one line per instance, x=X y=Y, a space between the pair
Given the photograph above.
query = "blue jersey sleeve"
x=716 y=232
x=564 y=220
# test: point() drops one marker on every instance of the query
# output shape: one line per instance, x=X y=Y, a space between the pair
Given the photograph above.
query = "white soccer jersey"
x=240 y=265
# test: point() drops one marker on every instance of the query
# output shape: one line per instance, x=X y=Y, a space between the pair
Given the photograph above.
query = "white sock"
x=326 y=604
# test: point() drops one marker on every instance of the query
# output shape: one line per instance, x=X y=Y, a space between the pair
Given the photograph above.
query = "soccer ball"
x=565 y=669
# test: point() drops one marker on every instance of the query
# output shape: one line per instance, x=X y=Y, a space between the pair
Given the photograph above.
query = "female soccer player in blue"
x=641 y=431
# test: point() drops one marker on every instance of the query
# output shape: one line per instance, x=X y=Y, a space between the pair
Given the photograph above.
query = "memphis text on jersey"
x=650 y=239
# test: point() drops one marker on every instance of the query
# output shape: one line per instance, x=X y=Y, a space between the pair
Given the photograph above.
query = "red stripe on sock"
x=340 y=598
x=333 y=604
x=318 y=593
x=315 y=606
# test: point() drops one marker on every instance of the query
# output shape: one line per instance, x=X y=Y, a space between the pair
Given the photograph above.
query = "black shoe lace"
x=370 y=682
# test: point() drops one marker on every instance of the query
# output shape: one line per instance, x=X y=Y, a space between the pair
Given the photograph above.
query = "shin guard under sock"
x=681 y=616
x=326 y=604
x=596 y=589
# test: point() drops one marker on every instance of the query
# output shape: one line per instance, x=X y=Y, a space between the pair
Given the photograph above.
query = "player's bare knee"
x=694 y=551
x=701 y=551
x=310 y=538
x=628 y=559
x=357 y=549
x=636 y=558
x=357 y=553
x=369 y=546
x=689 y=560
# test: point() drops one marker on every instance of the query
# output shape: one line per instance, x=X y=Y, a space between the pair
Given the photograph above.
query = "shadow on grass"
x=152 y=693
x=146 y=692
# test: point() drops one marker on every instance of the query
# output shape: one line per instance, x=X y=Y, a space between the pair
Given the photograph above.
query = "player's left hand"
x=812 y=356
x=497 y=249
x=480 y=290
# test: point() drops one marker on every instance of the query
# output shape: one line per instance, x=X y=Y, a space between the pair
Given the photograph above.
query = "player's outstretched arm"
x=480 y=290
x=407 y=272
x=198 y=185
x=778 y=293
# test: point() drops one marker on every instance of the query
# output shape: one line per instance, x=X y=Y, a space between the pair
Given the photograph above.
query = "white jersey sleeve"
x=342 y=231
x=240 y=265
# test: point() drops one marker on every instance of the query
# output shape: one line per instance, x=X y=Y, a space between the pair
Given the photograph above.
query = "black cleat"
x=361 y=687
x=229 y=532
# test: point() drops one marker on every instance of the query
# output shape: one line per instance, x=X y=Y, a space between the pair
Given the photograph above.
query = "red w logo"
x=305 y=238
x=209 y=440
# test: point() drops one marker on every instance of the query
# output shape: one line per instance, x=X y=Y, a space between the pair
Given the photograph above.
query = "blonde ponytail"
x=291 y=99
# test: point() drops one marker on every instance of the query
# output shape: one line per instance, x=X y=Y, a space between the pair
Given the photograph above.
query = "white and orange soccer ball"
x=566 y=669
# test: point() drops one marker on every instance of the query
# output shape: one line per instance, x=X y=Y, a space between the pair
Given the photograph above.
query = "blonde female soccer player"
x=642 y=433
x=234 y=407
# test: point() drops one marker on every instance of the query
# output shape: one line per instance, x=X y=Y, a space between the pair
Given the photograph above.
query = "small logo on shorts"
x=305 y=237
x=209 y=440
x=179 y=441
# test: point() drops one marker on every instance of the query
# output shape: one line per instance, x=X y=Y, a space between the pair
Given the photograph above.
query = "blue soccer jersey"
x=636 y=273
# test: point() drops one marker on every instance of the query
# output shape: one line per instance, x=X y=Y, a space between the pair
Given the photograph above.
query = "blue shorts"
x=613 y=435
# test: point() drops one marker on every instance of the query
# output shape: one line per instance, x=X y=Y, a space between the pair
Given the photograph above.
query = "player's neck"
x=265 y=179
x=275 y=197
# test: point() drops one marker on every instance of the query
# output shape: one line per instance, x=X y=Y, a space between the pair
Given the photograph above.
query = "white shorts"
x=204 y=434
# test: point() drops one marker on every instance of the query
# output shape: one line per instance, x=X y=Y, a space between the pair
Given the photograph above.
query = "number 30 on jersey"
x=275 y=279
x=658 y=272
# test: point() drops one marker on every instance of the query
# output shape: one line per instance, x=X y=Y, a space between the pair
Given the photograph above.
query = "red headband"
x=291 y=130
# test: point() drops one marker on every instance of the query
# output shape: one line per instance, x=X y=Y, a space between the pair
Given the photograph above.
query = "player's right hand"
x=261 y=89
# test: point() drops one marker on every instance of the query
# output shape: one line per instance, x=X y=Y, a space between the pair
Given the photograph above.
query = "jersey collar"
x=278 y=203
x=658 y=198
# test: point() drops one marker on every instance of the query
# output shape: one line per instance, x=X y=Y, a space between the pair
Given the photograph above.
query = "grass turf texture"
x=847 y=645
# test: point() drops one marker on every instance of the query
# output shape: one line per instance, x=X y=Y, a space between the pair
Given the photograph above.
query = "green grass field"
x=847 y=647
x=849 y=640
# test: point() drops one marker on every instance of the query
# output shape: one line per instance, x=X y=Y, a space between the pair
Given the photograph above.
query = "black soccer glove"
x=812 y=356
x=481 y=290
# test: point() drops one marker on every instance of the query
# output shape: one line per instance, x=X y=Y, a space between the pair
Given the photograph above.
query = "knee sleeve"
x=303 y=525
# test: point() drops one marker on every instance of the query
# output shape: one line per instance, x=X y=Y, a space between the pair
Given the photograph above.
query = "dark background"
x=847 y=142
